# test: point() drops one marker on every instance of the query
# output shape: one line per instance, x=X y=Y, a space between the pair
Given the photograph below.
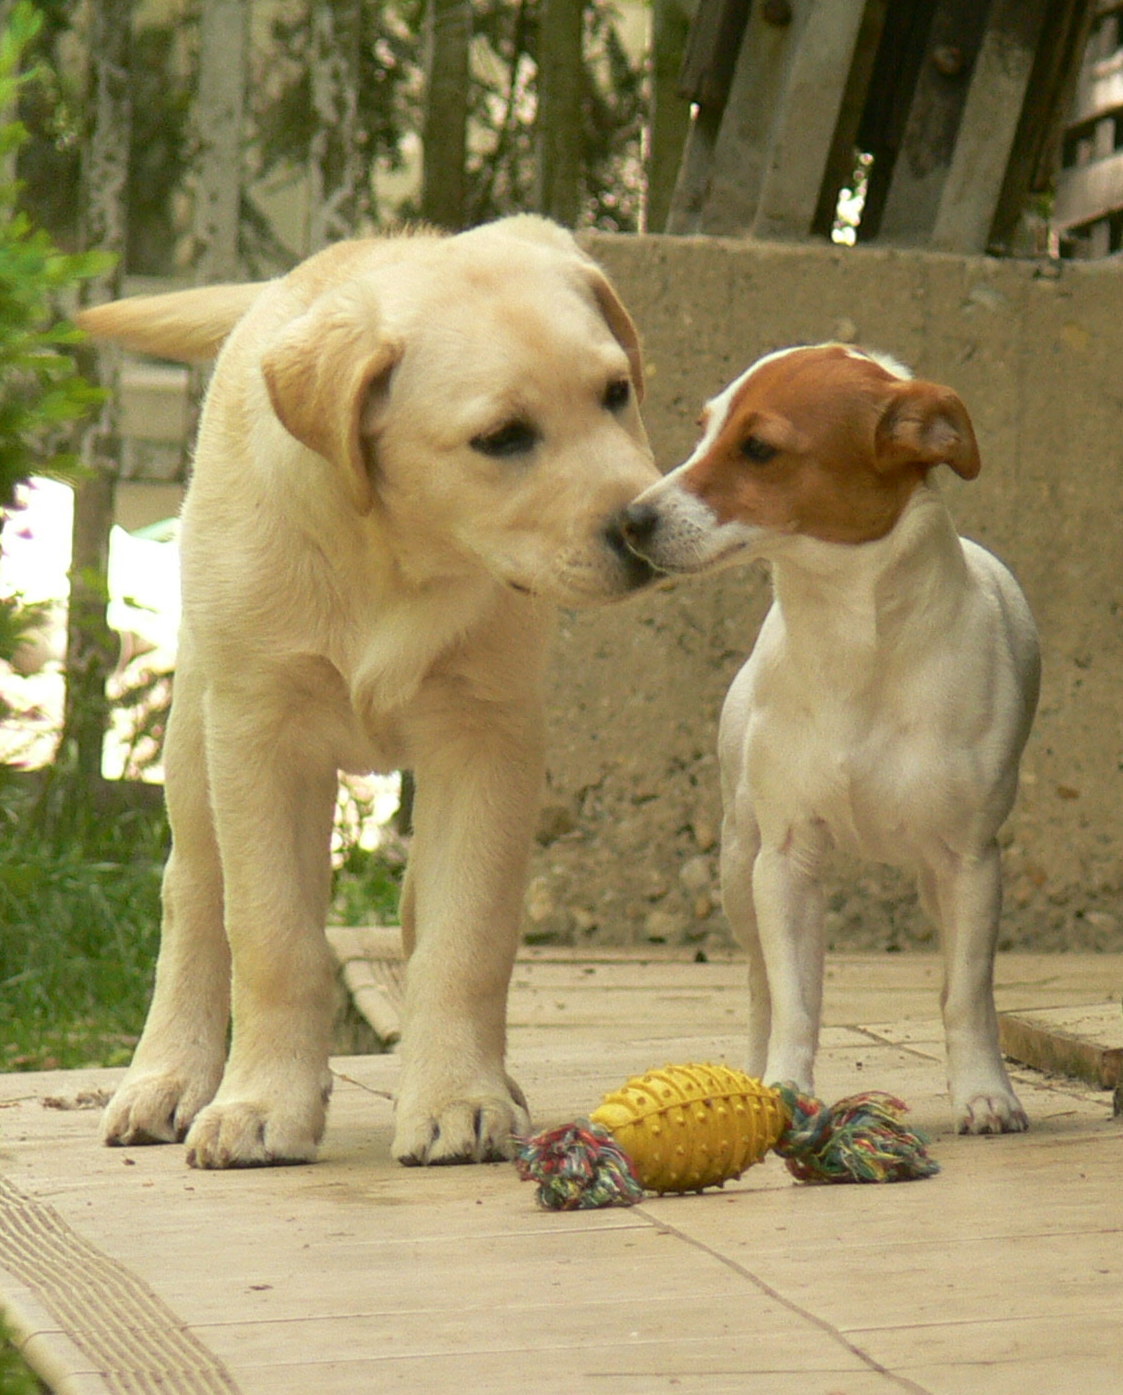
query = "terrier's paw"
x=480 y=1127
x=995 y=1111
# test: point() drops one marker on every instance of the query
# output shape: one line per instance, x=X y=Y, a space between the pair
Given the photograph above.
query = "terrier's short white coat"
x=890 y=693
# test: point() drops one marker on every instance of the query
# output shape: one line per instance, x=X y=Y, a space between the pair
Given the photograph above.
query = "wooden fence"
x=960 y=103
x=1088 y=213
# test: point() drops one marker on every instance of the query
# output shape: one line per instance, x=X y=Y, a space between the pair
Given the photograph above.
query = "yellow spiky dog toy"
x=684 y=1128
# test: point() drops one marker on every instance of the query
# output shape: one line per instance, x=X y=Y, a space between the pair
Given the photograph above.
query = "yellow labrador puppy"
x=412 y=449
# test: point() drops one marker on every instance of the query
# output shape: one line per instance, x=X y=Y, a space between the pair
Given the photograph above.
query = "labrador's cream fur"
x=413 y=448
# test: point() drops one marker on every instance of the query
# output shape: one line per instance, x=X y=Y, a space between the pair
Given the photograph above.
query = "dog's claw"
x=238 y=1134
x=154 y=1108
x=991 y=1114
x=479 y=1130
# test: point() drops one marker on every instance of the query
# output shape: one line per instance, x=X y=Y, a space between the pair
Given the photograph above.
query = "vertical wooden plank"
x=338 y=173
x=444 y=127
x=714 y=45
x=1036 y=156
x=803 y=136
x=844 y=148
x=90 y=645
x=670 y=110
x=881 y=132
x=990 y=121
x=928 y=141
x=692 y=185
x=711 y=50
x=559 y=185
x=217 y=127
x=742 y=142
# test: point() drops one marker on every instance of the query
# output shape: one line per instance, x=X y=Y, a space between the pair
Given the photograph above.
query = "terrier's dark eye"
x=617 y=394
x=757 y=450
x=515 y=438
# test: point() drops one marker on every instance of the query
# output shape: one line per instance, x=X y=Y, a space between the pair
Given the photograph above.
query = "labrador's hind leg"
x=178 y=1061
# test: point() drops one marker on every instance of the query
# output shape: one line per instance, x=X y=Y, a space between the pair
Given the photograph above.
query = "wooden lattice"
x=1089 y=207
x=956 y=106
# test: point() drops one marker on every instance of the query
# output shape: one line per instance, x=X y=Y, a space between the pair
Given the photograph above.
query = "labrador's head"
x=481 y=399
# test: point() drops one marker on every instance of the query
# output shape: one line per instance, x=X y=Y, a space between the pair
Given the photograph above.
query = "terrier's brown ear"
x=925 y=424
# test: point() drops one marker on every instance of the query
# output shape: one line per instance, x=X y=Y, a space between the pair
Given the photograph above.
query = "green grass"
x=79 y=928
x=16 y=1377
x=80 y=925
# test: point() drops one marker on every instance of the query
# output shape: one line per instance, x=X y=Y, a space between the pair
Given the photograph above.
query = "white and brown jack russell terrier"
x=885 y=706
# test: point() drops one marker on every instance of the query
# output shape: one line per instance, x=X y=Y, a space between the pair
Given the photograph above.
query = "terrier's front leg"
x=965 y=894
x=789 y=908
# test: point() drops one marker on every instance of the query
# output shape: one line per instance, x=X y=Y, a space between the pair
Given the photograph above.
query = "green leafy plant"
x=41 y=392
x=367 y=882
x=501 y=99
x=41 y=389
x=73 y=915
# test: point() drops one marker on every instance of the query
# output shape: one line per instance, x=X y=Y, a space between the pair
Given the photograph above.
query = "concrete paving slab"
x=1082 y=1041
x=1002 y=1273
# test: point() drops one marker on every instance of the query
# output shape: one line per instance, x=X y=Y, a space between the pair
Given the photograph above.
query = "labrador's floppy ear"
x=619 y=322
x=321 y=371
x=925 y=424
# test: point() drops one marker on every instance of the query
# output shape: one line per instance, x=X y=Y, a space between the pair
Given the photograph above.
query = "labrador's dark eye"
x=617 y=394
x=515 y=438
x=757 y=450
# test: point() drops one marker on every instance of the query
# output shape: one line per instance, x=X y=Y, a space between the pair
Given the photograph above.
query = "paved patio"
x=123 y=1271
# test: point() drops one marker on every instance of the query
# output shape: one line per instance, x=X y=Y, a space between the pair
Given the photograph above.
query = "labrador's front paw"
x=479 y=1126
x=156 y=1106
x=246 y=1133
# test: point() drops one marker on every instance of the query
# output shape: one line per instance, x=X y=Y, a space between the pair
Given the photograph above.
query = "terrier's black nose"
x=618 y=535
x=638 y=522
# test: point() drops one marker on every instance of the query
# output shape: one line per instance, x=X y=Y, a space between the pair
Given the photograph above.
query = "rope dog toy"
x=685 y=1128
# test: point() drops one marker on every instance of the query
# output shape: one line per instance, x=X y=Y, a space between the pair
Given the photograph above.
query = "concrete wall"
x=628 y=842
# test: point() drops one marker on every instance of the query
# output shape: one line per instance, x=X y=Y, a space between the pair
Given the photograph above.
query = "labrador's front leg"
x=273 y=791
x=479 y=776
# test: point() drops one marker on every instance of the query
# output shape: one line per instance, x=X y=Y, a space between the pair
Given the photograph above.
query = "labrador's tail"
x=188 y=326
